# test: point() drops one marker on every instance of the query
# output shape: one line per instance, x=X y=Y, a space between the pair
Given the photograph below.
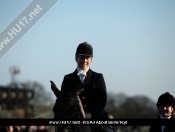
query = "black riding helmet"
x=84 y=49
x=166 y=99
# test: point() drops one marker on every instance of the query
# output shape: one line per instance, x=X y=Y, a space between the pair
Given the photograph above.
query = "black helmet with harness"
x=166 y=99
x=84 y=49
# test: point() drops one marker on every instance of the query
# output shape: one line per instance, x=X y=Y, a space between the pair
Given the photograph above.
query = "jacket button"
x=82 y=89
x=83 y=97
x=84 y=105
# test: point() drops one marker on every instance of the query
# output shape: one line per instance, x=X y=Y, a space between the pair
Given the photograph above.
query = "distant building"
x=14 y=102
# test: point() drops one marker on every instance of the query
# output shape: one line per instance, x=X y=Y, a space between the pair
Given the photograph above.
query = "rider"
x=166 y=106
x=93 y=95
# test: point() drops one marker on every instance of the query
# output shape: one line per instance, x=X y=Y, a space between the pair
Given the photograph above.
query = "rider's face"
x=165 y=110
x=83 y=62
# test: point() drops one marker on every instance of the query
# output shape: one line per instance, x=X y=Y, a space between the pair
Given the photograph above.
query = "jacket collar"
x=88 y=76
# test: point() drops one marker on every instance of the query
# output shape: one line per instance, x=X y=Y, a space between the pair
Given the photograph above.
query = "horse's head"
x=68 y=104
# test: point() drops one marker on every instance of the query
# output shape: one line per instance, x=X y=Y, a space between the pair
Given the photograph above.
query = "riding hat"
x=84 y=49
x=166 y=99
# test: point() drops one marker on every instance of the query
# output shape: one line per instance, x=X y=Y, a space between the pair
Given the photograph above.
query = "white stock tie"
x=82 y=75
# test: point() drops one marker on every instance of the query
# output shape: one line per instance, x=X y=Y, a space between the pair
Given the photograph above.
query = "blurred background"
x=134 y=48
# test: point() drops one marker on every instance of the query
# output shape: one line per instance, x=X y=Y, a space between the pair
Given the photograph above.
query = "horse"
x=68 y=106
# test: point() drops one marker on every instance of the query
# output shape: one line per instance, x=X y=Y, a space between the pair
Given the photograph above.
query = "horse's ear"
x=84 y=83
x=78 y=89
x=55 y=90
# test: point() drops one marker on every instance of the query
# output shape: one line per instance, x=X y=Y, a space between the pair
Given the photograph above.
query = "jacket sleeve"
x=101 y=99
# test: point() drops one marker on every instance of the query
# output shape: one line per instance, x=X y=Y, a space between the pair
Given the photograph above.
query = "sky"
x=133 y=43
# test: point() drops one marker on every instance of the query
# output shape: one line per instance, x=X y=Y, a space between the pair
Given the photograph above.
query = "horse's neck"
x=81 y=108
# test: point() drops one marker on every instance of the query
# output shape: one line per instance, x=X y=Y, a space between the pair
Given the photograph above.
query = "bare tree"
x=40 y=95
x=138 y=107
x=122 y=106
x=37 y=102
x=41 y=102
x=114 y=101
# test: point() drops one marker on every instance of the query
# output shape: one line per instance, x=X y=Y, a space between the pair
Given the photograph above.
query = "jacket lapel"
x=77 y=79
x=88 y=77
